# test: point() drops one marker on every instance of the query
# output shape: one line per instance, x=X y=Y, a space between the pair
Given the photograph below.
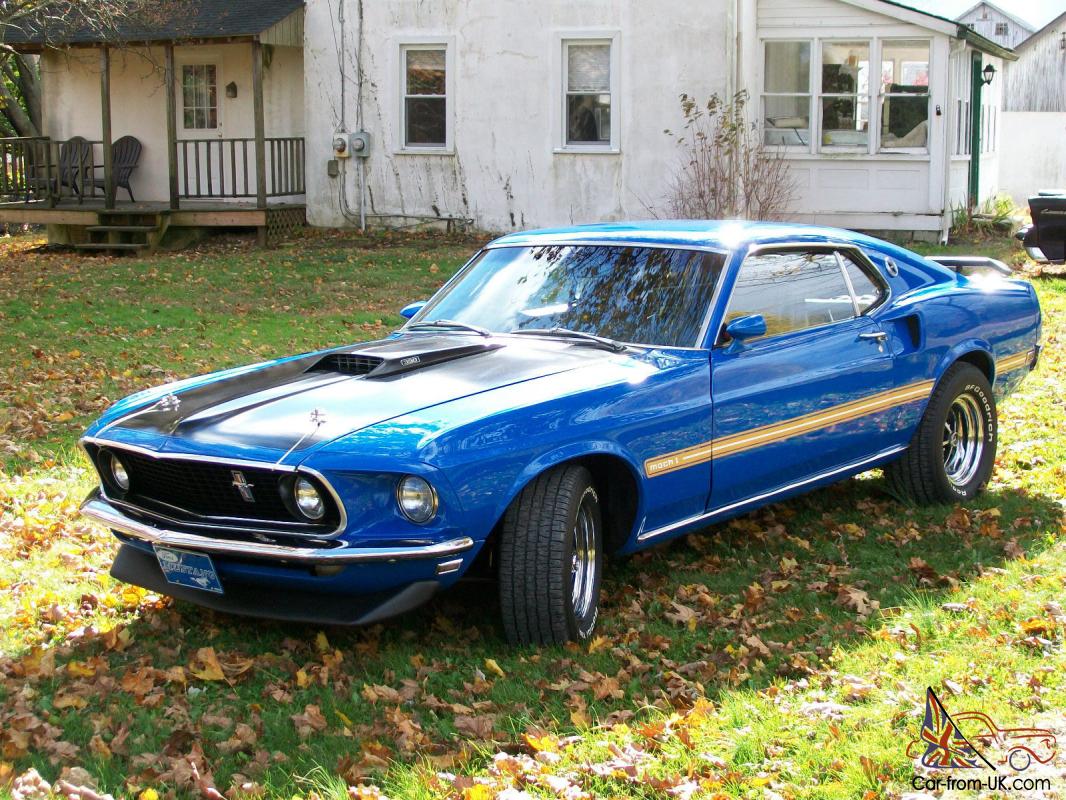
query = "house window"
x=425 y=96
x=904 y=95
x=787 y=93
x=199 y=96
x=845 y=90
x=589 y=88
x=1001 y=29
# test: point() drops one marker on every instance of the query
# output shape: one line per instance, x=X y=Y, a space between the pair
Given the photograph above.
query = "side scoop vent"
x=398 y=356
x=348 y=363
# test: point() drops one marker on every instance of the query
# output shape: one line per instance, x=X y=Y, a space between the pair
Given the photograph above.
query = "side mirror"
x=743 y=328
x=411 y=309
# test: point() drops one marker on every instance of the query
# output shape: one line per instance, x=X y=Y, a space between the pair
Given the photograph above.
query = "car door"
x=809 y=396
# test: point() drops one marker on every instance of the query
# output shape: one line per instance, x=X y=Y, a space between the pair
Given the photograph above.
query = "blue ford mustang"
x=568 y=394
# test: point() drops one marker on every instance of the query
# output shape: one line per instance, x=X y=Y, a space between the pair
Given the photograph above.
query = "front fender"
x=571 y=452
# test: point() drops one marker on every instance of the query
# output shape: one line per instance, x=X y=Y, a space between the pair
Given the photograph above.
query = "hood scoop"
x=396 y=356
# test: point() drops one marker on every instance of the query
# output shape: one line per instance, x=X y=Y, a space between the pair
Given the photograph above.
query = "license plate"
x=193 y=570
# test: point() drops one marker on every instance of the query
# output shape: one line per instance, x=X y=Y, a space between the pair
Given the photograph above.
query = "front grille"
x=207 y=492
x=347 y=363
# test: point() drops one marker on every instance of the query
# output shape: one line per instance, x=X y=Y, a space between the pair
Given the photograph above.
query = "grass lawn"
x=784 y=654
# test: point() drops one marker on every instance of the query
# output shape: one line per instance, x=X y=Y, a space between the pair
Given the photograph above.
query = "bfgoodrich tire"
x=551 y=559
x=951 y=456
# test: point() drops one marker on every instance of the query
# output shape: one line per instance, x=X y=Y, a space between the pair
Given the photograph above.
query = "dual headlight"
x=415 y=497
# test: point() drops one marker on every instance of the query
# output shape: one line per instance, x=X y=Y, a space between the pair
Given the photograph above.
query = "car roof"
x=714 y=234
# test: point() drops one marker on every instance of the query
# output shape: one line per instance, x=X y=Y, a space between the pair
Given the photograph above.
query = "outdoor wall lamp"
x=231 y=89
x=989 y=72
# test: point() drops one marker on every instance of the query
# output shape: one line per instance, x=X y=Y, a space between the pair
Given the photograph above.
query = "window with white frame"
x=839 y=105
x=787 y=95
x=199 y=96
x=904 y=99
x=425 y=95
x=845 y=94
x=588 y=94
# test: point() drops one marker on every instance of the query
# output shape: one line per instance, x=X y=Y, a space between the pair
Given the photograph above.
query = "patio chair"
x=125 y=155
x=72 y=168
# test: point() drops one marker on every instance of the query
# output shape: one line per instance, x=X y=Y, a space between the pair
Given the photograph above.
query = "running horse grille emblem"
x=240 y=483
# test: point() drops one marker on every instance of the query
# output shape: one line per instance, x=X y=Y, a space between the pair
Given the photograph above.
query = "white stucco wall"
x=1034 y=155
x=72 y=101
x=506 y=104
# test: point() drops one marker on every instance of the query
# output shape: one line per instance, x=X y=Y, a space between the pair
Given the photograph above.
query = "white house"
x=994 y=23
x=521 y=114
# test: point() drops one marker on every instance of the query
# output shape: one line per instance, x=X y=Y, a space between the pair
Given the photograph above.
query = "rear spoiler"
x=972 y=265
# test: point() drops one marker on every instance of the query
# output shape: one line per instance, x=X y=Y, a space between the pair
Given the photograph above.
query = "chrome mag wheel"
x=964 y=440
x=584 y=562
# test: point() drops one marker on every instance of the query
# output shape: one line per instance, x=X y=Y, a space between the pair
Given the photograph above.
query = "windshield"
x=643 y=295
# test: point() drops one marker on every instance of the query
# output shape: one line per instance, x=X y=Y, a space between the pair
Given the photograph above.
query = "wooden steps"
x=131 y=231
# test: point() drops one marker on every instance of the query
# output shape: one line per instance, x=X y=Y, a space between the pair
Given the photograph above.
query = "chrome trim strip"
x=706 y=516
x=236 y=524
x=594 y=242
x=100 y=511
x=185 y=456
x=341 y=525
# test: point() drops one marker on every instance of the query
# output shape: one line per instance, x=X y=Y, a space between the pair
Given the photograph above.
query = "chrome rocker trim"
x=99 y=510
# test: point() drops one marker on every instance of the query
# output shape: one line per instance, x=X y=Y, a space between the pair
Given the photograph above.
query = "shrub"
x=725 y=170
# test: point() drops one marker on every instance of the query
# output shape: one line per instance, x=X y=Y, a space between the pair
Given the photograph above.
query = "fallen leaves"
x=308 y=721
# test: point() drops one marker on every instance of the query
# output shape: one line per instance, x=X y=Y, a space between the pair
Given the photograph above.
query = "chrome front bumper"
x=99 y=510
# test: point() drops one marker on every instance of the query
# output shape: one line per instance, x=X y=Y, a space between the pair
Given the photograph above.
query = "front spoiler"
x=99 y=510
x=268 y=601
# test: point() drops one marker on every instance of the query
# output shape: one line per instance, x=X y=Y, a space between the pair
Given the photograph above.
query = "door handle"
x=875 y=336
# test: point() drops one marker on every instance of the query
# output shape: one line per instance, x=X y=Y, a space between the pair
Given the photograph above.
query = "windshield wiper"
x=568 y=333
x=451 y=323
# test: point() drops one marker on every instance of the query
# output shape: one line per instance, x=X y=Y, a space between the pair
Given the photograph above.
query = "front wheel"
x=551 y=559
x=951 y=456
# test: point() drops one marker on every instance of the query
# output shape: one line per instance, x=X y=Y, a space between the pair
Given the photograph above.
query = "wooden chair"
x=73 y=167
x=125 y=155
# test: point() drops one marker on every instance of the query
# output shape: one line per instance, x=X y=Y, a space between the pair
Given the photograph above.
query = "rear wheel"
x=953 y=451
x=551 y=559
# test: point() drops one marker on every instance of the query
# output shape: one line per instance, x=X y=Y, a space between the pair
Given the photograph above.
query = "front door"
x=809 y=396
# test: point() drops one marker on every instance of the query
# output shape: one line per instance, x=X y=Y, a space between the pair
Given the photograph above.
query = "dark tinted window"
x=643 y=295
x=792 y=290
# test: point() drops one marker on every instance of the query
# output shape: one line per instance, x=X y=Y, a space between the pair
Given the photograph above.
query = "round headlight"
x=308 y=499
x=416 y=499
x=119 y=476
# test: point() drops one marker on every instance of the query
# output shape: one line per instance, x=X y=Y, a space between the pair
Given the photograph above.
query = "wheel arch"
x=976 y=352
x=615 y=476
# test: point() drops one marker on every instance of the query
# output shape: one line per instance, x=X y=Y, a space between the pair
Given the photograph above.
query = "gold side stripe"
x=779 y=431
x=1016 y=361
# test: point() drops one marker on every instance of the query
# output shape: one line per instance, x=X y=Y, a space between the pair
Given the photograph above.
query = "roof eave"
x=979 y=42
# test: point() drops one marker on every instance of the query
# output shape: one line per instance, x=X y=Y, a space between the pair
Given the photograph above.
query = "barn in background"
x=1034 y=115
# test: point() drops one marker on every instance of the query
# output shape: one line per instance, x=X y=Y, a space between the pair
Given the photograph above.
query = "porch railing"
x=220 y=168
x=40 y=169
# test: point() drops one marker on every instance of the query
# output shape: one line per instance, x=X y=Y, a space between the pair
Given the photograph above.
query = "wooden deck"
x=142 y=226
